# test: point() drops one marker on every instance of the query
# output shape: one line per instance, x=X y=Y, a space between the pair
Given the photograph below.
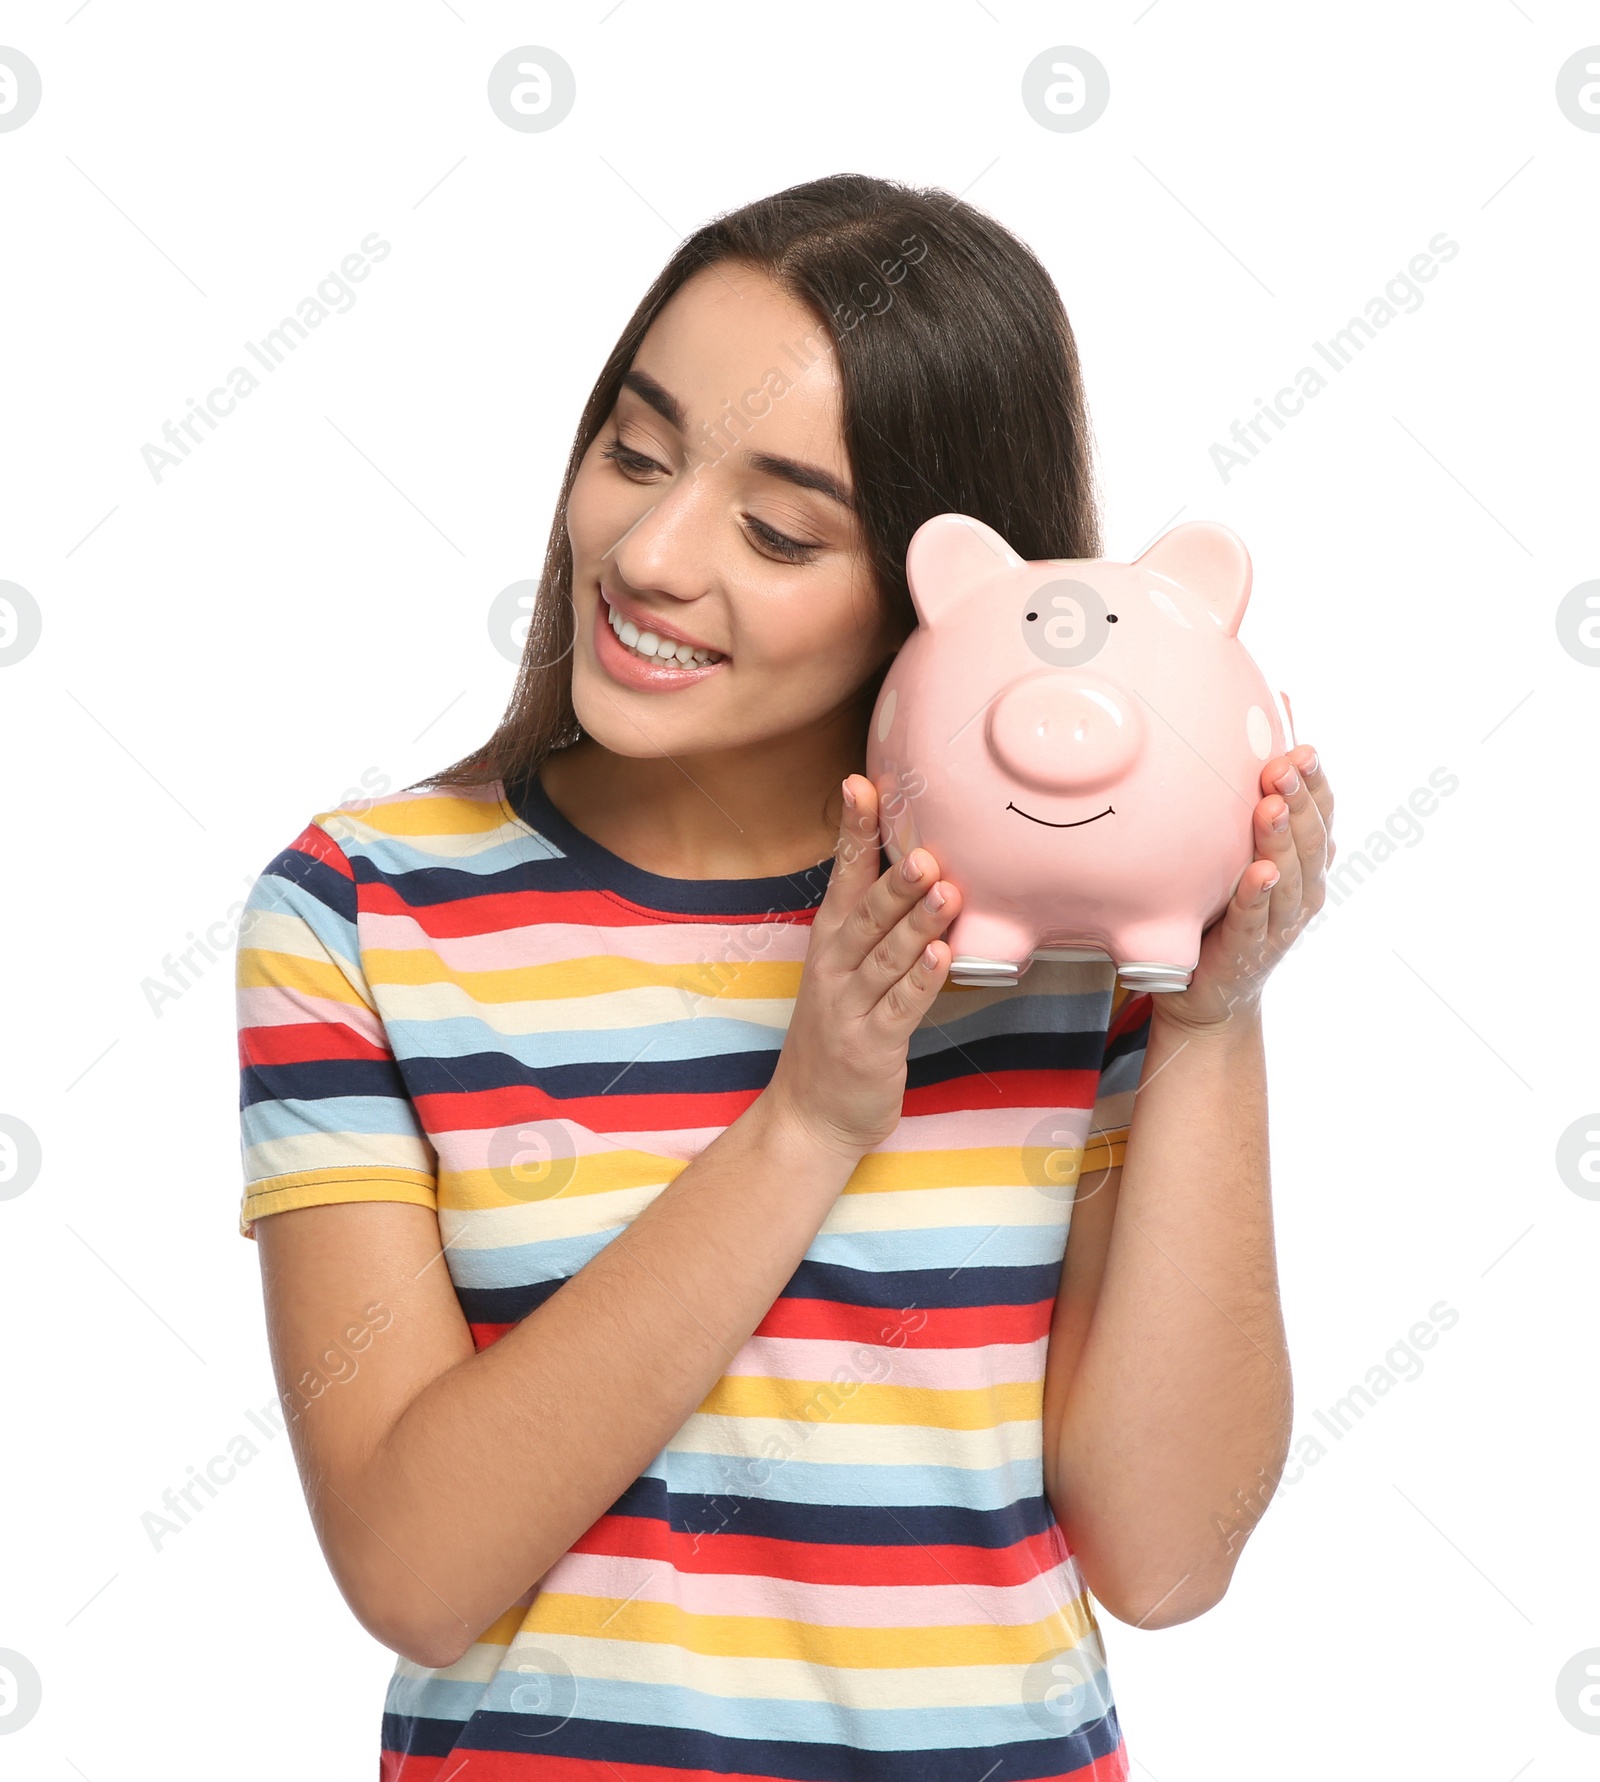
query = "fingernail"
x=911 y=867
x=1267 y=886
x=1288 y=780
x=930 y=958
x=1281 y=821
x=1311 y=765
x=849 y=795
x=934 y=901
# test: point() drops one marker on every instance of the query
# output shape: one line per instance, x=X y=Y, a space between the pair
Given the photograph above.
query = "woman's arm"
x=443 y=1482
x=1175 y=1393
x=1168 y=1388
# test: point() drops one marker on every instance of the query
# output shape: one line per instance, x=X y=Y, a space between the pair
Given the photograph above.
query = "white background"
x=303 y=602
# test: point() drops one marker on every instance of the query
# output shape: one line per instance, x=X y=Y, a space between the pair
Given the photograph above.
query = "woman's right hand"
x=873 y=967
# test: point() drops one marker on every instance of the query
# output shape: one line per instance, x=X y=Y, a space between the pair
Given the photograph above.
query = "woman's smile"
x=628 y=665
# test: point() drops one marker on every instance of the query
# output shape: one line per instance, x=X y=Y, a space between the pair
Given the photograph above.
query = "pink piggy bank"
x=1079 y=744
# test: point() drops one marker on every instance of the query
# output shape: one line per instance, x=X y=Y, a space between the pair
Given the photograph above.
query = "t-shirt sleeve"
x=1121 y=1064
x=323 y=1110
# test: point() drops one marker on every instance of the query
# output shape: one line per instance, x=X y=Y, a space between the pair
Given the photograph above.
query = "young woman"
x=687 y=1364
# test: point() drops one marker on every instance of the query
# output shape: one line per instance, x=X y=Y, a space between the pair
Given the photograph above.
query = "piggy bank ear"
x=1211 y=562
x=948 y=557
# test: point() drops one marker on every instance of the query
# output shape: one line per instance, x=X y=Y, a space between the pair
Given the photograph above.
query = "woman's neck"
x=756 y=812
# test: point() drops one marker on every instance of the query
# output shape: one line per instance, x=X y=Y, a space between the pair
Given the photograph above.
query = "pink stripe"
x=270 y=1005
x=942 y=1370
x=975 y=1129
x=711 y=945
x=470 y=1149
x=812 y=1605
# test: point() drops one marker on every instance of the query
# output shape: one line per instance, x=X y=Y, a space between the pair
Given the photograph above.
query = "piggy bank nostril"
x=1064 y=732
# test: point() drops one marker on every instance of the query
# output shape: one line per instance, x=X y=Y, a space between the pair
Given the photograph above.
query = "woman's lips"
x=630 y=670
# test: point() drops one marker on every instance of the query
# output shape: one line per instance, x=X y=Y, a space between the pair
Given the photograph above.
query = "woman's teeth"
x=657 y=649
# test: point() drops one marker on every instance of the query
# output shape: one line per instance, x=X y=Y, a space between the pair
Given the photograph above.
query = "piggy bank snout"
x=1065 y=731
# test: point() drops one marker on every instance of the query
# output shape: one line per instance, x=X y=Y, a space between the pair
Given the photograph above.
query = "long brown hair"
x=960 y=393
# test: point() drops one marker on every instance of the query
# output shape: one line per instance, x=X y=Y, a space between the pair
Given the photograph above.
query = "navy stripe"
x=896 y=1290
x=718 y=1073
x=833 y=1525
x=321 y=1078
x=722 y=1073
x=599 y=869
x=1136 y=1039
x=432 y=887
x=317 y=877
x=414 y=1735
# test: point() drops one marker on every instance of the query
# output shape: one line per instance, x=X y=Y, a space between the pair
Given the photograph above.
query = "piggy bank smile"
x=1107 y=812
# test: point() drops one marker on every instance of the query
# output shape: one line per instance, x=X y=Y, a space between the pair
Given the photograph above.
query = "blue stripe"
x=539 y=1699
x=797 y=1480
x=378 y=1114
x=469 y=1036
x=1024 y=1759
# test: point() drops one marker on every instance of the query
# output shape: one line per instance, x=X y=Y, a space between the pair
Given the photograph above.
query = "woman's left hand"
x=1277 y=894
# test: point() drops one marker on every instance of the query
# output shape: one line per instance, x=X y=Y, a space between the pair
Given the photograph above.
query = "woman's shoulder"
x=423 y=828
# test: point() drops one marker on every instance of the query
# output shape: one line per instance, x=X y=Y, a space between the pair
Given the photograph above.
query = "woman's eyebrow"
x=791 y=470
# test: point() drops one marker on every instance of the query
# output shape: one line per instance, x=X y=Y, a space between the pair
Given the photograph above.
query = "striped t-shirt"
x=843 y=1565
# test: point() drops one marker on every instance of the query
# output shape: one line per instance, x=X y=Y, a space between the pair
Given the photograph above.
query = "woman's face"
x=714 y=508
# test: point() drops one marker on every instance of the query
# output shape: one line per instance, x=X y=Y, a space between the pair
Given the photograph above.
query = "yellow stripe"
x=259 y=969
x=443 y=813
x=1105 y=1150
x=762 y=1636
x=981 y=1166
x=922 y=1407
x=878 y=1172
x=330 y=1187
x=587 y=976
x=620 y=1171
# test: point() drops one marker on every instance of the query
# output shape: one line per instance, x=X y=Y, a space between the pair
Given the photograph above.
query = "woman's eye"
x=790 y=549
x=628 y=461
x=636 y=466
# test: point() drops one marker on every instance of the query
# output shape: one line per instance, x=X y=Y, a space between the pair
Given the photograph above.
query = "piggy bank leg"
x=987 y=949
x=1157 y=955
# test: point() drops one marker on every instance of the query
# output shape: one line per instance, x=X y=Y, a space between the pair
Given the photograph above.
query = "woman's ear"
x=948 y=557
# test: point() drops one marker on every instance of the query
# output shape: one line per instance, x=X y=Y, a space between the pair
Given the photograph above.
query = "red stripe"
x=1133 y=1013
x=321 y=846
x=495 y=911
x=476 y=1109
x=914 y=1327
x=471 y=1765
x=1056 y=1088
x=823 y=1562
x=305 y=1042
x=673 y=1113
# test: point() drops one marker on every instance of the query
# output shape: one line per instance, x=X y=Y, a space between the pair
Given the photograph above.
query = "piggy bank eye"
x=1065 y=624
